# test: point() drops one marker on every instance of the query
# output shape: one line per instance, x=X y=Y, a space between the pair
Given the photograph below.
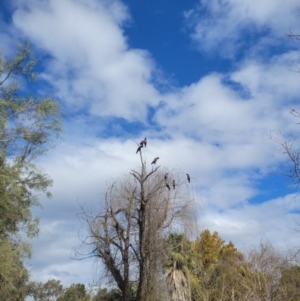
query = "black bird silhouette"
x=139 y=149
x=173 y=184
x=144 y=142
x=166 y=176
x=188 y=177
x=154 y=161
x=168 y=186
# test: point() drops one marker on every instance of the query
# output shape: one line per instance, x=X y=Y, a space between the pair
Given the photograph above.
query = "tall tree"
x=216 y=269
x=76 y=292
x=128 y=235
x=273 y=276
x=49 y=291
x=28 y=126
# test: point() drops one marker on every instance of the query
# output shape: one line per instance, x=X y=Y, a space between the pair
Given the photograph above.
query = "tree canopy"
x=28 y=126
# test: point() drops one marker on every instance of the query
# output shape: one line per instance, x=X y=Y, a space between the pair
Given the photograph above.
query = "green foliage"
x=49 y=291
x=28 y=127
x=208 y=248
x=224 y=269
x=290 y=284
x=180 y=252
x=108 y=295
x=13 y=274
x=76 y=292
x=218 y=271
x=214 y=268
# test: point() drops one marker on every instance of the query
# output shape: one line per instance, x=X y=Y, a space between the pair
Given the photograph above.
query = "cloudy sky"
x=205 y=81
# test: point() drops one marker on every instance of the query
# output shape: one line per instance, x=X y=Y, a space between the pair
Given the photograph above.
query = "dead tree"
x=267 y=266
x=290 y=147
x=128 y=234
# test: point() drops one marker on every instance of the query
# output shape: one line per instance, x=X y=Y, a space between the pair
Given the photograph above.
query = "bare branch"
x=129 y=234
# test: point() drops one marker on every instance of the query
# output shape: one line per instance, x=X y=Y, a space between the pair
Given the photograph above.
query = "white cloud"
x=274 y=78
x=226 y=23
x=54 y=255
x=247 y=224
x=92 y=65
x=235 y=112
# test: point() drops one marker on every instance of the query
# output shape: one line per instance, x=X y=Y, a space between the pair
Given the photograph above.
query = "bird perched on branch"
x=139 y=149
x=144 y=142
x=168 y=186
x=188 y=177
x=166 y=176
x=154 y=161
x=173 y=184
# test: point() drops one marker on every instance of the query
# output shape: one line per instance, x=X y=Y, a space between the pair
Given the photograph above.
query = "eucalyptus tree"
x=28 y=126
x=48 y=291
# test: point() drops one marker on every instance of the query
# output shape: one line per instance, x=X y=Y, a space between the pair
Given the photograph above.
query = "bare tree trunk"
x=179 y=285
x=141 y=285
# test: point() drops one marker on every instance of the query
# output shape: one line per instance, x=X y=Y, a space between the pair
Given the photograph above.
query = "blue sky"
x=205 y=81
